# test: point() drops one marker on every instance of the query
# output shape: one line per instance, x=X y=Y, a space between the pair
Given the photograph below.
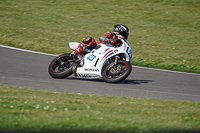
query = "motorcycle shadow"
x=82 y=79
x=129 y=81
x=126 y=81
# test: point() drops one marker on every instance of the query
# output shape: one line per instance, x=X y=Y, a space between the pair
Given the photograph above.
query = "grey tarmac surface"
x=30 y=70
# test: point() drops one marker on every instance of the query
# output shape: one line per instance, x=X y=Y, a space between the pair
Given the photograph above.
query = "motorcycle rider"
x=108 y=38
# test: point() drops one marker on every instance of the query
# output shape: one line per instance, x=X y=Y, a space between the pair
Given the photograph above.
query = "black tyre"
x=61 y=66
x=117 y=73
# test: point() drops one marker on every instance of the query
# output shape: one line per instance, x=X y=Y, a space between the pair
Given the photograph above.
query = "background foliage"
x=163 y=33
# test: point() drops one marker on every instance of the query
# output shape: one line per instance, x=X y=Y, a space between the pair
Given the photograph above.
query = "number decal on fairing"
x=91 y=57
x=129 y=52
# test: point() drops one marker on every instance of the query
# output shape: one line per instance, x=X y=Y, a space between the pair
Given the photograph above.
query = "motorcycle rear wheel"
x=117 y=73
x=61 y=66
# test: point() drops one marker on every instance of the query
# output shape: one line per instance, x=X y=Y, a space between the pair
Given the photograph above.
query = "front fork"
x=116 y=59
x=114 y=64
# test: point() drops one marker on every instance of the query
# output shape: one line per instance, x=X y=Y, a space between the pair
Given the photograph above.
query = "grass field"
x=163 y=33
x=23 y=109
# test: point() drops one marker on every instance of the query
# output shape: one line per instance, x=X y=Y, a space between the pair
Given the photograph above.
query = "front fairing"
x=126 y=47
x=94 y=61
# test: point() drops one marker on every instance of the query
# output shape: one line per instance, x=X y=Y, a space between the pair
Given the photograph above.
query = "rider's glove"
x=114 y=41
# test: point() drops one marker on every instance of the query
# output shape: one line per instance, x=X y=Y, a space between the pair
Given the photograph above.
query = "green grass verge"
x=163 y=33
x=23 y=109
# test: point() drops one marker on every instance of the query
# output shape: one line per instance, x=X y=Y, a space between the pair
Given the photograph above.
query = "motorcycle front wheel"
x=61 y=66
x=116 y=73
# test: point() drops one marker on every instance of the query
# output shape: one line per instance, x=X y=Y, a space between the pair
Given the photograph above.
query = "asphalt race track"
x=26 y=69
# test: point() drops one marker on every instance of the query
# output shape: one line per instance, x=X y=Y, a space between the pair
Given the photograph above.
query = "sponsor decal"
x=84 y=75
x=116 y=51
x=92 y=69
x=91 y=57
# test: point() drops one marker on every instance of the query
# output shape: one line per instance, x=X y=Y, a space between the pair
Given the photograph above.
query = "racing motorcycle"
x=112 y=63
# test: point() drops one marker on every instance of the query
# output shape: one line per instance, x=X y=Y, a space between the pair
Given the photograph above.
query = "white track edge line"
x=156 y=69
x=35 y=52
x=24 y=50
